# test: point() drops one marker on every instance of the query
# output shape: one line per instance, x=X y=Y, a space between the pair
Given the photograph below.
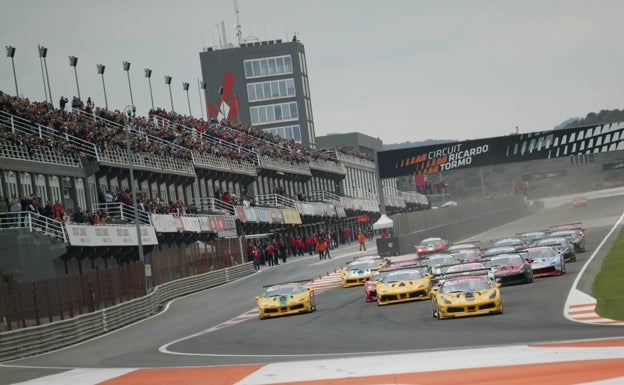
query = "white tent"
x=384 y=222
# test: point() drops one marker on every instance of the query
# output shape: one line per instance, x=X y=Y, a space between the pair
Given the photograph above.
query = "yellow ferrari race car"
x=466 y=296
x=403 y=285
x=285 y=299
x=359 y=271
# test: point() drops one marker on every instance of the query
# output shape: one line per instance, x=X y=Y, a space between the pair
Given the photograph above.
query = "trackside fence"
x=50 y=336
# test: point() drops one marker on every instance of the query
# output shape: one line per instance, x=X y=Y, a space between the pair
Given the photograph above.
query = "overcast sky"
x=397 y=70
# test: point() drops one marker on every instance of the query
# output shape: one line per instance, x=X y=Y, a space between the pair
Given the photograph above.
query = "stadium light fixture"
x=10 y=51
x=126 y=67
x=168 y=82
x=43 y=53
x=148 y=75
x=73 y=62
x=202 y=86
x=185 y=87
x=100 y=71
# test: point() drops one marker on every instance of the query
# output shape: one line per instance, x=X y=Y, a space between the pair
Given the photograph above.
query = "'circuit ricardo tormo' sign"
x=501 y=149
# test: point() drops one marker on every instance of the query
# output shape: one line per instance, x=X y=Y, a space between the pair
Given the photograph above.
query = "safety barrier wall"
x=40 y=339
x=454 y=231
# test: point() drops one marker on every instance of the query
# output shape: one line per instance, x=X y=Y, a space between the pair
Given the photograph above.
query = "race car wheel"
x=312 y=304
x=563 y=268
x=530 y=278
x=574 y=258
x=436 y=312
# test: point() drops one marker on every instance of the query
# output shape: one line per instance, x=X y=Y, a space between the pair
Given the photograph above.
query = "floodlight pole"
x=73 y=62
x=168 y=82
x=10 y=51
x=185 y=87
x=126 y=67
x=202 y=86
x=100 y=69
x=43 y=51
x=148 y=75
x=129 y=112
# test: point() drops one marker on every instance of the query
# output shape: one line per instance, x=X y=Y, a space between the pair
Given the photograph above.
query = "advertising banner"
x=501 y=149
x=109 y=235
x=291 y=217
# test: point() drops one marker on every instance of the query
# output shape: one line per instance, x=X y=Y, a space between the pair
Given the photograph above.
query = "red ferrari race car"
x=431 y=245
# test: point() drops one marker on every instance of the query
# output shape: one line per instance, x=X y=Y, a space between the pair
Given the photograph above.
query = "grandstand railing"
x=197 y=135
x=147 y=161
x=275 y=200
x=23 y=126
x=355 y=160
x=359 y=193
x=328 y=166
x=34 y=222
x=215 y=205
x=43 y=154
x=284 y=166
x=323 y=196
x=223 y=164
x=122 y=212
x=283 y=148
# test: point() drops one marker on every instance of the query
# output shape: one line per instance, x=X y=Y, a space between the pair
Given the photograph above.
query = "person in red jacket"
x=300 y=246
x=348 y=235
x=270 y=254
x=362 y=241
x=255 y=254
x=320 y=249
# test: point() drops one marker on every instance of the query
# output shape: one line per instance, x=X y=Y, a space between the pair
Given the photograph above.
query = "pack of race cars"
x=459 y=280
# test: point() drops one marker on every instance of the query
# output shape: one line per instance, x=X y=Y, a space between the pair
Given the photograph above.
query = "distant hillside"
x=592 y=118
x=428 y=142
x=604 y=116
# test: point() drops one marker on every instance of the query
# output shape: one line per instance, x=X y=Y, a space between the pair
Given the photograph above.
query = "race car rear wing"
x=444 y=268
x=467 y=273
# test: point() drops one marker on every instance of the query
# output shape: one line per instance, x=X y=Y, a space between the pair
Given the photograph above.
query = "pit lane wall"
x=453 y=223
x=44 y=338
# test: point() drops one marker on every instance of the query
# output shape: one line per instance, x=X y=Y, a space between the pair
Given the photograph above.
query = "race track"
x=219 y=327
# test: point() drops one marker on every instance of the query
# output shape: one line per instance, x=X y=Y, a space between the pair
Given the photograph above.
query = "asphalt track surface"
x=219 y=327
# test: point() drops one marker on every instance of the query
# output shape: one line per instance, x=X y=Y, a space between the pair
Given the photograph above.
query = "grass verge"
x=609 y=284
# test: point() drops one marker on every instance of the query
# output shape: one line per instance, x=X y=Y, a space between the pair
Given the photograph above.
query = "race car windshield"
x=510 y=242
x=466 y=255
x=403 y=276
x=542 y=253
x=463 y=286
x=564 y=233
x=532 y=236
x=506 y=260
x=441 y=261
x=431 y=242
x=362 y=265
x=498 y=250
x=465 y=267
x=286 y=290
x=553 y=243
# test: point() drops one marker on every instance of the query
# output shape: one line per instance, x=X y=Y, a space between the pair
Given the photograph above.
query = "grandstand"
x=202 y=187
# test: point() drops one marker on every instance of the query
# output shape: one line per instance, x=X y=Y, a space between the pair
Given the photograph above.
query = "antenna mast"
x=239 y=33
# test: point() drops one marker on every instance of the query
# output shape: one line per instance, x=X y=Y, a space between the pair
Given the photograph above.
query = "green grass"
x=608 y=288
